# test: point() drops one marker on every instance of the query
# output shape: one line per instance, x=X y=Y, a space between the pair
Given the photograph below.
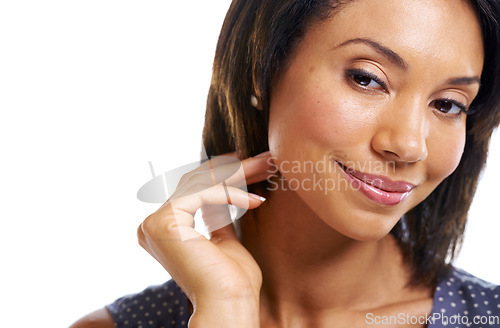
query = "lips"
x=378 y=188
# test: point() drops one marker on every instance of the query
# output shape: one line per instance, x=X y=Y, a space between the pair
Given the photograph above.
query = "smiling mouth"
x=378 y=188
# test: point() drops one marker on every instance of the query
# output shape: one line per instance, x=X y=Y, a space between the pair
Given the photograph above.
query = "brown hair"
x=257 y=39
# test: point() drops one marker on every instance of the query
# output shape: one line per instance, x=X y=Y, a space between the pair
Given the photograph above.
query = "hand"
x=217 y=274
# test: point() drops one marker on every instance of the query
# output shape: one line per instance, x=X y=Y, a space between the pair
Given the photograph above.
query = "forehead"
x=430 y=29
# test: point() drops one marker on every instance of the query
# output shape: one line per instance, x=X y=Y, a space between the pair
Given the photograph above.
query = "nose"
x=402 y=132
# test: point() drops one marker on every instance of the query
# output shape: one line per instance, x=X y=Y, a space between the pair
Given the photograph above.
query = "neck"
x=310 y=268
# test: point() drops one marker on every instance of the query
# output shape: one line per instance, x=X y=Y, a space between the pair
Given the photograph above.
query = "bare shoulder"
x=97 y=319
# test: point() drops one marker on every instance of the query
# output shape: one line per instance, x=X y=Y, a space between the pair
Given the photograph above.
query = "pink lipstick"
x=378 y=188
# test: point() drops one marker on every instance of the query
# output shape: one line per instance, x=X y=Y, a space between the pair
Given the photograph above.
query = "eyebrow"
x=383 y=50
x=397 y=60
x=464 y=80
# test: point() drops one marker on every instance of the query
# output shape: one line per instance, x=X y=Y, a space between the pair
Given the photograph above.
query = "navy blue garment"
x=461 y=300
x=162 y=306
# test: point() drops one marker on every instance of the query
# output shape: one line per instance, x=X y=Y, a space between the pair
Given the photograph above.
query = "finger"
x=216 y=217
x=266 y=175
x=231 y=171
x=205 y=167
x=224 y=233
x=219 y=223
x=200 y=196
x=163 y=234
x=211 y=172
x=253 y=170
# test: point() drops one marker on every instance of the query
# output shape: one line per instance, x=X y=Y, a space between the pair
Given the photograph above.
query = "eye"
x=449 y=106
x=366 y=79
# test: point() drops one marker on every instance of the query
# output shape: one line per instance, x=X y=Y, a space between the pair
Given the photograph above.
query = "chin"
x=368 y=235
x=366 y=227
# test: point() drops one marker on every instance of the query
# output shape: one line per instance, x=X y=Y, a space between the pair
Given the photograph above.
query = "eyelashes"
x=361 y=77
x=449 y=106
x=370 y=82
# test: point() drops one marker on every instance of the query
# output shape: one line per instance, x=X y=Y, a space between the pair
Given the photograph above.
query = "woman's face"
x=367 y=118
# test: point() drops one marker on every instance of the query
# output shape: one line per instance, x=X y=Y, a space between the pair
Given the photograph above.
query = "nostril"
x=407 y=155
x=391 y=156
x=400 y=143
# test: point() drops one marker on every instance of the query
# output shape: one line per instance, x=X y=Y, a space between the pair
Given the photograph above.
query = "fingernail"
x=264 y=154
x=254 y=196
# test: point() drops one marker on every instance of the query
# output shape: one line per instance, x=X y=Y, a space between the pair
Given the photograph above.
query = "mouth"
x=377 y=188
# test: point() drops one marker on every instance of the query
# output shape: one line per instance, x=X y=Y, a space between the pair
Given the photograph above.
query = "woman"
x=377 y=116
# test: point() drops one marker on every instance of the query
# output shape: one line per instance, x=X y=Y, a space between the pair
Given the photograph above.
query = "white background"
x=90 y=91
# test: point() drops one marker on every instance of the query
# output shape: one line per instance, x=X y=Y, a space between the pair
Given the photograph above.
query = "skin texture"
x=328 y=117
x=316 y=250
x=310 y=258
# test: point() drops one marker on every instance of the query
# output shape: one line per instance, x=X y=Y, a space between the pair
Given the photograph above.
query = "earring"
x=254 y=101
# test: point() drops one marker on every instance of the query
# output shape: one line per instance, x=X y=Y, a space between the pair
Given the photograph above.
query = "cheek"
x=446 y=155
x=325 y=119
x=315 y=117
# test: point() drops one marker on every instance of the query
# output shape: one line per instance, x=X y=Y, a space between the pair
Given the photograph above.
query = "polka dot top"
x=163 y=306
x=460 y=301
x=463 y=300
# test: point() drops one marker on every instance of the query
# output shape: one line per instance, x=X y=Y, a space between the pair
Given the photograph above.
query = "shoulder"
x=462 y=294
x=98 y=319
x=159 y=306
